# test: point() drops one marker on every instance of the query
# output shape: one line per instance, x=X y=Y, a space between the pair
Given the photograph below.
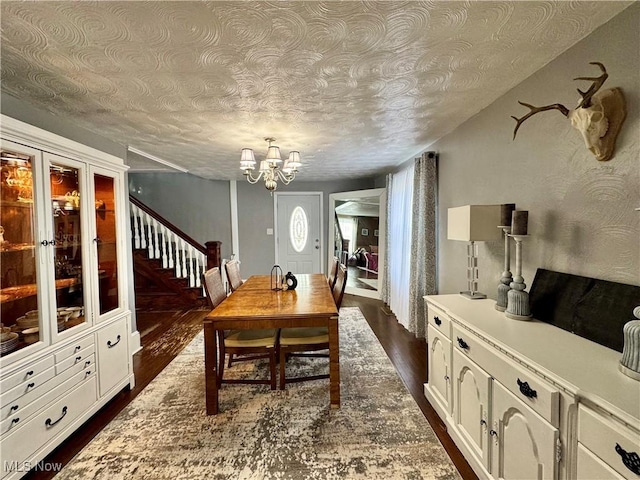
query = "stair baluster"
x=135 y=215
x=163 y=245
x=171 y=240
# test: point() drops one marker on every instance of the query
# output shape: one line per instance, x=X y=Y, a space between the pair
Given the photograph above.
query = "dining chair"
x=251 y=344
x=333 y=273
x=297 y=342
x=232 y=268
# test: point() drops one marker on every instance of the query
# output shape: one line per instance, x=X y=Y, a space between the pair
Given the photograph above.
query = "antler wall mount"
x=598 y=116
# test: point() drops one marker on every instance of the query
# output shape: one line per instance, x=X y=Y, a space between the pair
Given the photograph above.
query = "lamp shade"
x=273 y=154
x=474 y=223
x=294 y=160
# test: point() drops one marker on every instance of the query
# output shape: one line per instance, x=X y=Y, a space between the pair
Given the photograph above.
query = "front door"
x=298 y=229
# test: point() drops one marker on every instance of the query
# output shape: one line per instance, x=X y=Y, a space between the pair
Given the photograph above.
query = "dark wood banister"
x=211 y=249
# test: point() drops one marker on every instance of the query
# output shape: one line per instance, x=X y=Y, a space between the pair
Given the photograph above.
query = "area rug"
x=379 y=431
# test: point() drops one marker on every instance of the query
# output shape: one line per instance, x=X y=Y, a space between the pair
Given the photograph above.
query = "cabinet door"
x=439 y=362
x=471 y=387
x=523 y=444
x=109 y=296
x=66 y=201
x=23 y=275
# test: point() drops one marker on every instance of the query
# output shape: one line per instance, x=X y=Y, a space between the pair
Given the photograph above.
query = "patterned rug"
x=379 y=431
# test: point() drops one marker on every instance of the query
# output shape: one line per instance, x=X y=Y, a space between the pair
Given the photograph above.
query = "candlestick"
x=505 y=280
x=517 y=298
x=519 y=221
x=506 y=212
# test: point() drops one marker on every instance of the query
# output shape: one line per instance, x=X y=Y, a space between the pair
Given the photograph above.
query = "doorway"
x=356 y=237
x=298 y=218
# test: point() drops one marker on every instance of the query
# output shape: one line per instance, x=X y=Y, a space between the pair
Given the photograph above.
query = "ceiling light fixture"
x=270 y=169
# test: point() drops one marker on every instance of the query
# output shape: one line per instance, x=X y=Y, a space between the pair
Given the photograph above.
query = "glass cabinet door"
x=67 y=190
x=20 y=295
x=105 y=240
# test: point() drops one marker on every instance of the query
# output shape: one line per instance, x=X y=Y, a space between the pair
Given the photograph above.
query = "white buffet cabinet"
x=528 y=400
x=66 y=323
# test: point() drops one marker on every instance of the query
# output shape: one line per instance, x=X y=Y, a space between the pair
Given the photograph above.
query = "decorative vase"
x=630 y=361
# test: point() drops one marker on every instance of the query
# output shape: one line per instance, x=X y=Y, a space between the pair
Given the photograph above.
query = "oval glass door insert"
x=298 y=229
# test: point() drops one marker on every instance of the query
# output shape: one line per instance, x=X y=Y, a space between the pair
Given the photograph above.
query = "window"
x=298 y=229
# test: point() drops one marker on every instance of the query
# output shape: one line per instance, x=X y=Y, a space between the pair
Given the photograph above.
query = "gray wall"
x=255 y=215
x=199 y=207
x=16 y=108
x=581 y=211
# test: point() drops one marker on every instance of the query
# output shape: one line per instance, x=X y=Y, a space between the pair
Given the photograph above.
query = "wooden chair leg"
x=272 y=367
x=230 y=360
x=283 y=365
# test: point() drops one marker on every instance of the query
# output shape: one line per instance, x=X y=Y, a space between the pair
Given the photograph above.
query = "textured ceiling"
x=357 y=87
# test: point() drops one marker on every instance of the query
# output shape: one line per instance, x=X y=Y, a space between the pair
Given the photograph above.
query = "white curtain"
x=399 y=218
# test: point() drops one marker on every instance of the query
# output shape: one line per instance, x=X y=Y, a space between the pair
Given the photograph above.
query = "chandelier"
x=270 y=170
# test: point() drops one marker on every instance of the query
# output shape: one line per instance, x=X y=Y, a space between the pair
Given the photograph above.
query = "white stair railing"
x=161 y=242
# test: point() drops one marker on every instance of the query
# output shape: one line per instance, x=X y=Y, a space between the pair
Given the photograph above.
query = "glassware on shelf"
x=18 y=280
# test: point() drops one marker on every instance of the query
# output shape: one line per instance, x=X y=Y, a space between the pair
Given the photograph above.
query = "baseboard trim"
x=135 y=342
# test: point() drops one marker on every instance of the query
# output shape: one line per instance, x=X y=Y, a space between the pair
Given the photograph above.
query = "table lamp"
x=473 y=223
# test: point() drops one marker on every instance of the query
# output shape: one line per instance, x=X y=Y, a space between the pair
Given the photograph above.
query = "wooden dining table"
x=255 y=305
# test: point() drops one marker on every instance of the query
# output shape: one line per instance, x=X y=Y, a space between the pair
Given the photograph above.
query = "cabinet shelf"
x=9 y=294
x=16 y=247
x=16 y=203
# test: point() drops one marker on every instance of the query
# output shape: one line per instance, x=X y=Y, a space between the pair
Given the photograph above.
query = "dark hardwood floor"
x=165 y=334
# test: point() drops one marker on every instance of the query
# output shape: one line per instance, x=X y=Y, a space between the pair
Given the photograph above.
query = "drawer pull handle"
x=78 y=347
x=483 y=422
x=87 y=373
x=14 y=408
x=51 y=423
x=15 y=420
x=31 y=385
x=631 y=460
x=446 y=378
x=78 y=358
x=437 y=320
x=493 y=433
x=87 y=363
x=464 y=345
x=30 y=372
x=526 y=390
x=111 y=345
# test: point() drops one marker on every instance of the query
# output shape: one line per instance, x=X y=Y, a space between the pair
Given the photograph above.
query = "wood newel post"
x=213 y=253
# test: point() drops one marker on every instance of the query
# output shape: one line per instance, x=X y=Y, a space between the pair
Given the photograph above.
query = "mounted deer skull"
x=598 y=116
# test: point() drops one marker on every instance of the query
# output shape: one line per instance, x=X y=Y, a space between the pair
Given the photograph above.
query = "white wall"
x=581 y=211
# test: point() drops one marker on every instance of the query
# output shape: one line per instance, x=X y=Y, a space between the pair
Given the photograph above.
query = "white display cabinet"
x=66 y=322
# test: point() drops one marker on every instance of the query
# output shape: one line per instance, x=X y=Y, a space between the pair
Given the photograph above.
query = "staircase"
x=167 y=263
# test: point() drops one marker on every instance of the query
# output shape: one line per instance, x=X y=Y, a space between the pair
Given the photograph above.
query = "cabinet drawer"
x=439 y=320
x=20 y=416
x=608 y=440
x=113 y=355
x=73 y=348
x=25 y=373
x=26 y=387
x=18 y=405
x=21 y=444
x=524 y=384
x=80 y=357
x=591 y=467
